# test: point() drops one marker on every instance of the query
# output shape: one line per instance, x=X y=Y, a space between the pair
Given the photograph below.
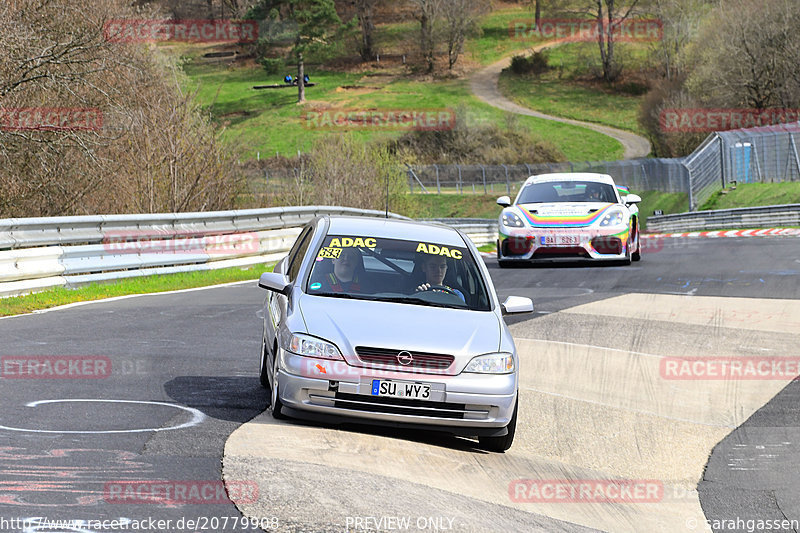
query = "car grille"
x=398 y=406
x=421 y=360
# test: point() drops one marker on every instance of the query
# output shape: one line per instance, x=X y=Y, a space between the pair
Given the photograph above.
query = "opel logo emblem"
x=404 y=358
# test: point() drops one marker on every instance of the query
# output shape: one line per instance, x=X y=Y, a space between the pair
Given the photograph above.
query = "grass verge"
x=270 y=122
x=559 y=93
x=754 y=195
x=144 y=285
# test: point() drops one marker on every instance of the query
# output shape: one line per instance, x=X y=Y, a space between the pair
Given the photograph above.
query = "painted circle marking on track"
x=197 y=418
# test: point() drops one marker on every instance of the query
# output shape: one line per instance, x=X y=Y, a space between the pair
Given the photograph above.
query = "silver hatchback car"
x=390 y=322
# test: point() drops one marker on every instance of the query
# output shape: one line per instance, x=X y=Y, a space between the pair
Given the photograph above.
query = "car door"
x=277 y=304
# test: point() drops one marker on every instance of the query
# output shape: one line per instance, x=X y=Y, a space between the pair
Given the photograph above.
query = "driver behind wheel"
x=435 y=269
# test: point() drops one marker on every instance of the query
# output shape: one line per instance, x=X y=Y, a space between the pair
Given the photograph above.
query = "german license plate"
x=401 y=389
x=561 y=240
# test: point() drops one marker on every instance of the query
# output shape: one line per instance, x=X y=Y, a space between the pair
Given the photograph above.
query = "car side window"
x=298 y=252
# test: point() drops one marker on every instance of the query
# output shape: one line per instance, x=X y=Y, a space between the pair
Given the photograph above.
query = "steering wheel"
x=442 y=288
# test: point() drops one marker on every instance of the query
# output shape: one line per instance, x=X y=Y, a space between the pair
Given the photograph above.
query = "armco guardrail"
x=739 y=218
x=38 y=253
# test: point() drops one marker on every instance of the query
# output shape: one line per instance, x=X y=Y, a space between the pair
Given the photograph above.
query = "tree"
x=746 y=55
x=317 y=26
x=608 y=15
x=428 y=13
x=365 y=13
x=461 y=19
x=149 y=149
x=680 y=23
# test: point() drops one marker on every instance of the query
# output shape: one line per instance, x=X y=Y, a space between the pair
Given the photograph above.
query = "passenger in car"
x=434 y=267
x=348 y=269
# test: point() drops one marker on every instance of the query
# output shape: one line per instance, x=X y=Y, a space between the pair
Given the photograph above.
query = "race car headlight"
x=312 y=347
x=511 y=220
x=494 y=363
x=613 y=218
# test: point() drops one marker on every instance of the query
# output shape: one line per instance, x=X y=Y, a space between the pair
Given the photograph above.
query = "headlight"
x=312 y=347
x=613 y=218
x=495 y=363
x=511 y=220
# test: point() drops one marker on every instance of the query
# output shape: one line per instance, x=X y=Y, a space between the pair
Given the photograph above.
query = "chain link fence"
x=756 y=155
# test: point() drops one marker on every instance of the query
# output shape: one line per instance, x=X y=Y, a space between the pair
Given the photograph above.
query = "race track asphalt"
x=183 y=382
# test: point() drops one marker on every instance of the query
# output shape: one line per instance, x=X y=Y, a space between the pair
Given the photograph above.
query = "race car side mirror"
x=515 y=305
x=274 y=281
x=504 y=201
x=632 y=199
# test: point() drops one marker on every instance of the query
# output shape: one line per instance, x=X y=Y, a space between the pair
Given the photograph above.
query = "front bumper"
x=535 y=245
x=334 y=388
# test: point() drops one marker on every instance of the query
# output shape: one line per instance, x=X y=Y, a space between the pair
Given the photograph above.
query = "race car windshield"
x=567 y=191
x=411 y=272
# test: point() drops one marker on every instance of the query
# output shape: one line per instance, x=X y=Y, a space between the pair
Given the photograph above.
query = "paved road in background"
x=187 y=362
x=484 y=85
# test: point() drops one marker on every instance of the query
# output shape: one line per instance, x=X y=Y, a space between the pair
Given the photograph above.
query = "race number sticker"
x=330 y=253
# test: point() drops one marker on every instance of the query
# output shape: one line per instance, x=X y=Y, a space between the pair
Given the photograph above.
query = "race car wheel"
x=637 y=255
x=264 y=374
x=501 y=444
x=275 y=405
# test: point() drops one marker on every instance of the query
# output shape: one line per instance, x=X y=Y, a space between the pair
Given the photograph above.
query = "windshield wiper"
x=336 y=295
x=414 y=300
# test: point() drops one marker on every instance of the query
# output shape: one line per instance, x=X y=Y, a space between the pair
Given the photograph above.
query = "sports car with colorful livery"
x=569 y=216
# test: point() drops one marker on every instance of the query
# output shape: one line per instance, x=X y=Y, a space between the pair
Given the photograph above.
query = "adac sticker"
x=353 y=242
x=315 y=286
x=438 y=250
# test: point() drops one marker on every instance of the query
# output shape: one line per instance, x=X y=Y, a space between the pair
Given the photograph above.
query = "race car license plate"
x=561 y=240
x=401 y=389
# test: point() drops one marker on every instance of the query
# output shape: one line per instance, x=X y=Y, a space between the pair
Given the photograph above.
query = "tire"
x=264 y=374
x=637 y=255
x=501 y=444
x=275 y=404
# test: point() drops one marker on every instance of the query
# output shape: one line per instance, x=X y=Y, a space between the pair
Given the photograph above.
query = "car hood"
x=564 y=214
x=350 y=323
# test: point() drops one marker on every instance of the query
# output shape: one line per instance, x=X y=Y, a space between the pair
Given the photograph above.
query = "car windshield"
x=411 y=272
x=567 y=191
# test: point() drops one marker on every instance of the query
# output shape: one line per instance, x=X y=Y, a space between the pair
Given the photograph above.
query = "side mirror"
x=515 y=305
x=504 y=201
x=274 y=281
x=632 y=199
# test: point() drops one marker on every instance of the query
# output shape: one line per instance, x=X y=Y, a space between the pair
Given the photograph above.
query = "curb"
x=766 y=232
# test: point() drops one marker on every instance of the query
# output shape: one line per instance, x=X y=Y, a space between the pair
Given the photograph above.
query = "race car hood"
x=350 y=323
x=564 y=214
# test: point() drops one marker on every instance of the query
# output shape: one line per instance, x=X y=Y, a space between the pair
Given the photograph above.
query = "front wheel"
x=275 y=405
x=264 y=374
x=501 y=444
